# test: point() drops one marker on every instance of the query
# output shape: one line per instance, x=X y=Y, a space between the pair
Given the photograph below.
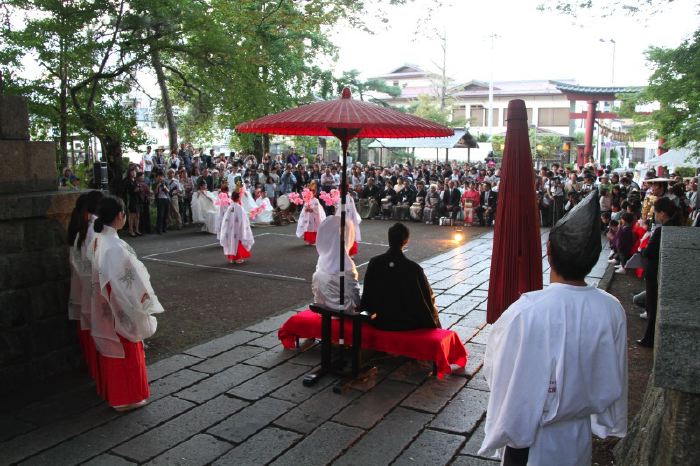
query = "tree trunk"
x=63 y=111
x=258 y=147
x=266 y=143
x=165 y=95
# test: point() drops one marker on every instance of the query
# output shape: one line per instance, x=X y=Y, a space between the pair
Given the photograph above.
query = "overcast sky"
x=530 y=44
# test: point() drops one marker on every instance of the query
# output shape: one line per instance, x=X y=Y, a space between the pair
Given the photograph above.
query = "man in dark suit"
x=487 y=205
x=451 y=199
x=397 y=290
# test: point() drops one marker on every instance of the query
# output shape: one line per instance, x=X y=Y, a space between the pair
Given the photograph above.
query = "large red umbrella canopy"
x=516 y=262
x=345 y=119
x=357 y=119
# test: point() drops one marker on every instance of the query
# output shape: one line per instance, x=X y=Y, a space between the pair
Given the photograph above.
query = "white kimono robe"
x=265 y=217
x=325 y=282
x=556 y=364
x=351 y=213
x=204 y=210
x=221 y=212
x=128 y=306
x=234 y=228
x=309 y=221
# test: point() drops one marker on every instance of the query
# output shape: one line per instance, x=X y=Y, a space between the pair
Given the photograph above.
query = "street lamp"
x=611 y=41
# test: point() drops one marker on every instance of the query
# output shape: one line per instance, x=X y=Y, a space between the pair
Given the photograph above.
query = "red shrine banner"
x=516 y=263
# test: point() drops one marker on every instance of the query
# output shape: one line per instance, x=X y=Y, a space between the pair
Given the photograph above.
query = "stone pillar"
x=36 y=338
x=590 y=122
x=665 y=431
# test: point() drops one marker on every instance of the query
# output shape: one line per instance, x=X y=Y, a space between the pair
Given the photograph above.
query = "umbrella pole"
x=344 y=142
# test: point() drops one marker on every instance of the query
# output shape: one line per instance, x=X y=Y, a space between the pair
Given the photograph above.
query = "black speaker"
x=99 y=175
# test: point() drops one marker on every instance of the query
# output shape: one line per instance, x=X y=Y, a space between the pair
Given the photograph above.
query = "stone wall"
x=665 y=430
x=36 y=338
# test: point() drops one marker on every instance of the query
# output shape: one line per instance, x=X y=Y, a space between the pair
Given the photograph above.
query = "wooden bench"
x=441 y=346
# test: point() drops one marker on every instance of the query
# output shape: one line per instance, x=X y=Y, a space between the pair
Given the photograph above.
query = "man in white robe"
x=265 y=216
x=325 y=282
x=556 y=360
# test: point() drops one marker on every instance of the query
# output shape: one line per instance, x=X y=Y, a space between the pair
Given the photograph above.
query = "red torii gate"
x=591 y=95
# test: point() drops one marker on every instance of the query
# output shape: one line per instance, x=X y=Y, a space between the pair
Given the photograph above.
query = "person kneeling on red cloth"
x=122 y=316
x=397 y=290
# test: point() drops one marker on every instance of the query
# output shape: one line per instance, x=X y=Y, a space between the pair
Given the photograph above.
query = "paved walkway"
x=239 y=400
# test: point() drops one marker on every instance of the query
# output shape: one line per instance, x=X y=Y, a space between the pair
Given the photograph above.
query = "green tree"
x=675 y=85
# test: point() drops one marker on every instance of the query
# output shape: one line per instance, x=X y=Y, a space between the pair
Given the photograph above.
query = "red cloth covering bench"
x=434 y=344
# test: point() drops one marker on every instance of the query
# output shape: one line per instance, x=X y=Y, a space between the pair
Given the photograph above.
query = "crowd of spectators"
x=430 y=192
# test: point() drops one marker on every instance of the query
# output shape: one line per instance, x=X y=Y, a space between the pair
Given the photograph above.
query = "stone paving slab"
x=434 y=394
x=177 y=430
x=227 y=342
x=35 y=441
x=219 y=383
x=463 y=412
x=226 y=359
x=268 y=381
x=431 y=448
x=262 y=448
x=316 y=410
x=296 y=392
x=101 y=439
x=108 y=460
x=199 y=450
x=387 y=439
x=471 y=461
x=174 y=383
x=170 y=365
x=250 y=420
x=371 y=407
x=321 y=447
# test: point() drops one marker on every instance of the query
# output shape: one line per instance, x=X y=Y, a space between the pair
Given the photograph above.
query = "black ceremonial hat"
x=576 y=237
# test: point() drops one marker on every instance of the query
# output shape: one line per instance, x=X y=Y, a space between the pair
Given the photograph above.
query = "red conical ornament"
x=516 y=263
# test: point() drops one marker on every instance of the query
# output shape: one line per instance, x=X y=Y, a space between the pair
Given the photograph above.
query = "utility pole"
x=614 y=44
x=493 y=36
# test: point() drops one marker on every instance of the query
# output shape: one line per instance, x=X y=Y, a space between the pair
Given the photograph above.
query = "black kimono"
x=398 y=292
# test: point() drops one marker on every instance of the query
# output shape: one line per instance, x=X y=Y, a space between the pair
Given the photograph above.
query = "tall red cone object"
x=516 y=263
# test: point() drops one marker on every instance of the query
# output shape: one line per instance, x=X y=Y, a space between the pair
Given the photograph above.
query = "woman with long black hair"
x=80 y=234
x=123 y=313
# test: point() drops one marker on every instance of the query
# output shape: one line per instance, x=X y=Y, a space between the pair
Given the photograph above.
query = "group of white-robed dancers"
x=230 y=214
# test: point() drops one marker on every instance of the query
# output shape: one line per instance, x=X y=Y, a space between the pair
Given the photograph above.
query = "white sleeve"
x=517 y=370
x=613 y=421
x=132 y=299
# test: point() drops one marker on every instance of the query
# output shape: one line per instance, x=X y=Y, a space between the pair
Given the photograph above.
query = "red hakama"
x=310 y=237
x=241 y=253
x=353 y=249
x=124 y=381
x=87 y=345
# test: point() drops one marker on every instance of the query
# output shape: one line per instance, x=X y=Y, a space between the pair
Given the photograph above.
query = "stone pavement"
x=239 y=399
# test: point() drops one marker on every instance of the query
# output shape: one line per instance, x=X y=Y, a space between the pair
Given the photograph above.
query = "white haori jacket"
x=351 y=213
x=325 y=282
x=127 y=308
x=310 y=218
x=556 y=365
x=204 y=210
x=235 y=227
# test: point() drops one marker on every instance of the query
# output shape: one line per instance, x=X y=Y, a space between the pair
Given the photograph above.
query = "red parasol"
x=516 y=263
x=345 y=119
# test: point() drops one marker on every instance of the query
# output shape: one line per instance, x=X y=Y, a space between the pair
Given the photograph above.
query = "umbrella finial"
x=346 y=93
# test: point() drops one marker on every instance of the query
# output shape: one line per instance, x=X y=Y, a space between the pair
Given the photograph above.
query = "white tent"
x=673 y=159
x=461 y=147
